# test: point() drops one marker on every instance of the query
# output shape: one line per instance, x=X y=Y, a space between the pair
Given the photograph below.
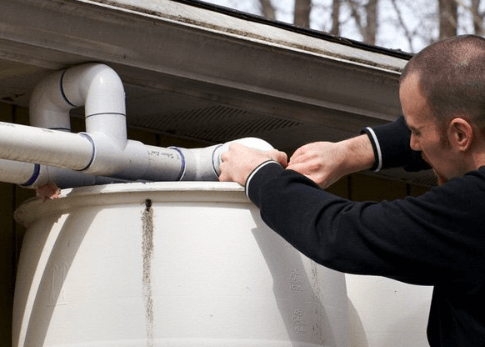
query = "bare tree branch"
x=408 y=34
x=368 y=27
x=354 y=8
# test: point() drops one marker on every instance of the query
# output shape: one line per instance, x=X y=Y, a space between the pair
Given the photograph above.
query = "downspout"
x=103 y=150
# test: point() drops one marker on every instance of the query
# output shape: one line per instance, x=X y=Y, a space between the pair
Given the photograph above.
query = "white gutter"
x=103 y=150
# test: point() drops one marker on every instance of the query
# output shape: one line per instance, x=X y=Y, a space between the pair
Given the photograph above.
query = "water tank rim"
x=154 y=186
x=131 y=193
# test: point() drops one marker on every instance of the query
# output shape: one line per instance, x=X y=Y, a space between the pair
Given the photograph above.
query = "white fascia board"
x=262 y=33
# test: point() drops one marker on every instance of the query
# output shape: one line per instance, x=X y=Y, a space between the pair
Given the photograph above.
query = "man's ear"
x=461 y=132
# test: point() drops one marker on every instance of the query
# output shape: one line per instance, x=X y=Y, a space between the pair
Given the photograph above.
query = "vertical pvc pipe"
x=48 y=108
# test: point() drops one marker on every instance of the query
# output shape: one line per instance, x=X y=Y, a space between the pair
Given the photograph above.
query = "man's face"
x=425 y=132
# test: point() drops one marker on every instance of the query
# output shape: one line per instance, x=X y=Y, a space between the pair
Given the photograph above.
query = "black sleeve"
x=391 y=147
x=420 y=240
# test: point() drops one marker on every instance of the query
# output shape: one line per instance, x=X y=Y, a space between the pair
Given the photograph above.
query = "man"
x=436 y=239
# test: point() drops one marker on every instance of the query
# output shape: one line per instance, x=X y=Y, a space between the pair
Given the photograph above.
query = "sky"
x=418 y=15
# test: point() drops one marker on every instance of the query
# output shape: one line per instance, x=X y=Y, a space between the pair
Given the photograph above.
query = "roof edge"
x=300 y=30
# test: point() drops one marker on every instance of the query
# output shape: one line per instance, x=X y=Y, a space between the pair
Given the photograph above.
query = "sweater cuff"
x=375 y=147
x=263 y=173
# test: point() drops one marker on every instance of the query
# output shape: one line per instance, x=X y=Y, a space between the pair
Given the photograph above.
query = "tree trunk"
x=478 y=18
x=372 y=22
x=267 y=9
x=302 y=13
x=448 y=14
x=335 y=30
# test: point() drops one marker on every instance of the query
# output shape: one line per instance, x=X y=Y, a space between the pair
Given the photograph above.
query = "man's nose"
x=414 y=143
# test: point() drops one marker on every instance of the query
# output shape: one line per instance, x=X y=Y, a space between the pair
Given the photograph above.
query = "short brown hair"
x=452 y=75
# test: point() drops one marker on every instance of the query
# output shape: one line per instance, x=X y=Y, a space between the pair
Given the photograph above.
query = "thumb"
x=279 y=156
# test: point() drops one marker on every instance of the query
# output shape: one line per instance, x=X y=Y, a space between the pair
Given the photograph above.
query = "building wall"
x=357 y=187
x=10 y=233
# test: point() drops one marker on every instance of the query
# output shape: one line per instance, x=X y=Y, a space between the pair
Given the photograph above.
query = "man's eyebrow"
x=410 y=126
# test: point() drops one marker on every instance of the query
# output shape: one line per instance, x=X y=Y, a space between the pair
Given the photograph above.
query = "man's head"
x=442 y=93
x=452 y=75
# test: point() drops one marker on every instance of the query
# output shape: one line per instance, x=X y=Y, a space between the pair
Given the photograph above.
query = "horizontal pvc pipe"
x=65 y=178
x=163 y=164
x=30 y=175
x=16 y=172
x=43 y=146
x=136 y=162
x=94 y=154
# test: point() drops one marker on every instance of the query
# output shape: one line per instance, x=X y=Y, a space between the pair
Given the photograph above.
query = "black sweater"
x=435 y=239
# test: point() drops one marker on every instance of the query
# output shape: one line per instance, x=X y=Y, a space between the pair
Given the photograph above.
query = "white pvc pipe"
x=48 y=107
x=103 y=150
x=30 y=175
x=75 y=152
x=97 y=87
x=44 y=146
x=100 y=90
x=22 y=144
x=15 y=172
x=65 y=178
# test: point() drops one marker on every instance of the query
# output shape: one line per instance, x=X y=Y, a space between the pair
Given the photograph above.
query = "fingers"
x=279 y=156
x=48 y=191
x=299 y=155
x=239 y=161
x=314 y=160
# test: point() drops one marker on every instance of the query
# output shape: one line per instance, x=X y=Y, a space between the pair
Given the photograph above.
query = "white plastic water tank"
x=384 y=312
x=168 y=264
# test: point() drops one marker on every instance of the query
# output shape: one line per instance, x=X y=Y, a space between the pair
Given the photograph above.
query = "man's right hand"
x=327 y=162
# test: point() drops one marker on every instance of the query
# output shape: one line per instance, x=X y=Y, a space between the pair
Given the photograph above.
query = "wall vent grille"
x=214 y=123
